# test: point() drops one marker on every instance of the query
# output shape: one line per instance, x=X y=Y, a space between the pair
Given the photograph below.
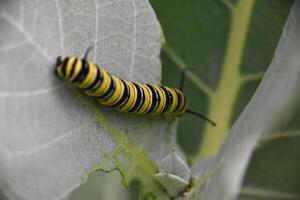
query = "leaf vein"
x=28 y=37
x=134 y=40
x=59 y=17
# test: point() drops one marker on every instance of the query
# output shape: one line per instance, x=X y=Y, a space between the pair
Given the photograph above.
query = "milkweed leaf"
x=51 y=136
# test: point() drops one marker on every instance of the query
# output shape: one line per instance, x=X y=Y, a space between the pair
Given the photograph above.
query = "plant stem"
x=223 y=99
x=252 y=77
x=268 y=194
x=281 y=135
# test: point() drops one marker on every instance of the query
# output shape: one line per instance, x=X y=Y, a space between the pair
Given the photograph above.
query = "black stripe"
x=155 y=99
x=169 y=100
x=83 y=72
x=183 y=102
x=95 y=82
x=99 y=80
x=64 y=66
x=128 y=97
x=73 y=68
x=162 y=97
x=179 y=101
x=142 y=98
x=139 y=98
x=124 y=97
x=110 y=89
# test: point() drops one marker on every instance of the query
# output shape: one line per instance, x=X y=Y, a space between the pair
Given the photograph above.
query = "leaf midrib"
x=229 y=84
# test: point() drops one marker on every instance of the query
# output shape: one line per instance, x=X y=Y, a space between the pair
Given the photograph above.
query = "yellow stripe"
x=117 y=94
x=183 y=105
x=88 y=80
x=94 y=75
x=183 y=110
x=181 y=97
x=148 y=98
x=70 y=63
x=132 y=97
x=162 y=99
x=174 y=102
x=59 y=71
x=103 y=86
x=77 y=69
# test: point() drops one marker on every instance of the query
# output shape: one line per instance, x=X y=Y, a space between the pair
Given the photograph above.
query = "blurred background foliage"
x=196 y=34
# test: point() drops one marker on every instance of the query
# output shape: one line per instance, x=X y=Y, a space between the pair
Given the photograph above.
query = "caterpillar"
x=120 y=94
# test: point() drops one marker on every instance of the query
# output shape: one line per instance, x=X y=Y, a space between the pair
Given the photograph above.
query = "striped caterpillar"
x=120 y=94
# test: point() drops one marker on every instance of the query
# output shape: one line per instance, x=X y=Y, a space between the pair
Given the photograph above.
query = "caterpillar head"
x=58 y=66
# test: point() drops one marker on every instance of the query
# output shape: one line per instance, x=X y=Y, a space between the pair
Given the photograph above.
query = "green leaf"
x=53 y=137
x=278 y=95
x=227 y=47
x=173 y=174
x=253 y=32
x=273 y=171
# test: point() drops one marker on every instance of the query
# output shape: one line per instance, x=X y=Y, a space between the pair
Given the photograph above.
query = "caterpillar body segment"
x=120 y=94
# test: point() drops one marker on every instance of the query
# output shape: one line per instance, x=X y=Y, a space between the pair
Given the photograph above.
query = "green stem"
x=222 y=102
x=228 y=4
x=252 y=77
x=281 y=135
x=268 y=194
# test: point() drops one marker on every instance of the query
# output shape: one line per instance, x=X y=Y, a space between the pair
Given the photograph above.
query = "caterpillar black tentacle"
x=120 y=94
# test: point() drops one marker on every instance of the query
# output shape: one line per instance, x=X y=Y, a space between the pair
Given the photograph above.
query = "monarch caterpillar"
x=120 y=94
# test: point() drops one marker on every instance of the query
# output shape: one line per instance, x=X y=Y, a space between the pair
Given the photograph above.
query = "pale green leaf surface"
x=174 y=164
x=101 y=185
x=272 y=108
x=172 y=183
x=53 y=137
x=173 y=174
